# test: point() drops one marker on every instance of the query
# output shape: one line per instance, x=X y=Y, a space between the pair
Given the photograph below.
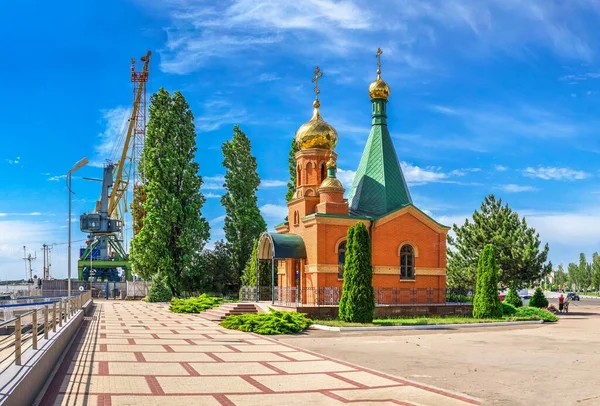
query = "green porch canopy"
x=281 y=246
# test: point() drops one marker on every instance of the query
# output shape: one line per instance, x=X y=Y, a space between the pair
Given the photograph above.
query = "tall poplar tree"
x=174 y=231
x=243 y=221
x=517 y=247
x=292 y=168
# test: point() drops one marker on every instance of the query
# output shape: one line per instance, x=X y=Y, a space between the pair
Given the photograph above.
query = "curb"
x=426 y=327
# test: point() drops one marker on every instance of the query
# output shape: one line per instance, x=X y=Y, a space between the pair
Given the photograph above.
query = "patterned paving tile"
x=141 y=354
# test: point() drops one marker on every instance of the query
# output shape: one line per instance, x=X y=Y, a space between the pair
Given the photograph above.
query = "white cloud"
x=548 y=173
x=346 y=177
x=219 y=113
x=267 y=77
x=13 y=161
x=213 y=182
x=272 y=183
x=416 y=30
x=512 y=188
x=217 y=220
x=500 y=168
x=416 y=175
x=56 y=178
x=211 y=195
x=110 y=141
x=273 y=211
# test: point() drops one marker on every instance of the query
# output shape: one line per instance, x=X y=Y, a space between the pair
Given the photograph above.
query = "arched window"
x=299 y=176
x=296 y=218
x=407 y=262
x=323 y=176
x=341 y=259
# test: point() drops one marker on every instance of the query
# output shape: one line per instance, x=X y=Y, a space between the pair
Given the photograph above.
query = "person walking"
x=561 y=302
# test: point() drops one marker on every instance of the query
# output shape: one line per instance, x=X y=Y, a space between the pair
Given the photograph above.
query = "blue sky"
x=494 y=96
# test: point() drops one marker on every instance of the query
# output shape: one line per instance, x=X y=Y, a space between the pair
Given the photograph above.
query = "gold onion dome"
x=331 y=183
x=379 y=89
x=316 y=133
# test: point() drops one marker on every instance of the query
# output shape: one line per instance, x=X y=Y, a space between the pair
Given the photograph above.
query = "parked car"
x=524 y=294
x=502 y=296
x=572 y=296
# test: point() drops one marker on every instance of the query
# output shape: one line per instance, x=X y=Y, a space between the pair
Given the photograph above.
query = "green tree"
x=538 y=299
x=349 y=259
x=513 y=298
x=249 y=275
x=137 y=208
x=174 y=230
x=560 y=278
x=517 y=247
x=585 y=272
x=574 y=277
x=292 y=168
x=159 y=291
x=487 y=304
x=243 y=221
x=359 y=301
x=218 y=274
x=596 y=272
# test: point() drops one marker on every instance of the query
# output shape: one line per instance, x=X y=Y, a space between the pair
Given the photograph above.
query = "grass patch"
x=274 y=322
x=521 y=314
x=195 y=304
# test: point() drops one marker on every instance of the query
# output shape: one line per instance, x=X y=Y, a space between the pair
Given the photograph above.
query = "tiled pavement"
x=133 y=353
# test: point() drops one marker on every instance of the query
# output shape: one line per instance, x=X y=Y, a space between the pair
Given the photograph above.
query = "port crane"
x=104 y=253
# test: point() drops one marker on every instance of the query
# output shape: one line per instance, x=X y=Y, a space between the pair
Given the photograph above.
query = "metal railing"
x=330 y=296
x=25 y=330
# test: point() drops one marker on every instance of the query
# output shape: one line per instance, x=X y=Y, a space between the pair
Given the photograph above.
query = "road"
x=549 y=364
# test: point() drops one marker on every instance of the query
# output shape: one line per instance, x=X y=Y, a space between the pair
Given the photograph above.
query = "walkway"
x=132 y=353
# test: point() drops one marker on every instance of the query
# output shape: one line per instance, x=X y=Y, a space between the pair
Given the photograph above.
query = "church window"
x=296 y=218
x=322 y=172
x=299 y=177
x=341 y=259
x=407 y=262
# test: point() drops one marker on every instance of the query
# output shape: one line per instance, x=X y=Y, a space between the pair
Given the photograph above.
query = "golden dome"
x=333 y=184
x=379 y=89
x=316 y=133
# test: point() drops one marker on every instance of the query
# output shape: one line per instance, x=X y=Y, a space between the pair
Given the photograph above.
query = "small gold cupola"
x=316 y=133
x=379 y=89
x=331 y=183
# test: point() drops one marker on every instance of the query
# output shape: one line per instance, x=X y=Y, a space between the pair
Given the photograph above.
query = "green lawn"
x=420 y=321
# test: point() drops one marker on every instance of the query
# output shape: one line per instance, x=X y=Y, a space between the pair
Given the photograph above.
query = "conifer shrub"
x=533 y=313
x=487 y=304
x=513 y=299
x=159 y=291
x=538 y=299
x=508 y=309
x=274 y=322
x=195 y=304
x=357 y=304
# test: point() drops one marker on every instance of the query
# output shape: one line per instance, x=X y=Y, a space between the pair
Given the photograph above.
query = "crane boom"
x=121 y=183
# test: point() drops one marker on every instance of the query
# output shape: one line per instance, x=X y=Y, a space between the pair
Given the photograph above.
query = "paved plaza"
x=133 y=353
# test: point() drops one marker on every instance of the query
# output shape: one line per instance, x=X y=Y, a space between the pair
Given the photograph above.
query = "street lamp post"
x=75 y=167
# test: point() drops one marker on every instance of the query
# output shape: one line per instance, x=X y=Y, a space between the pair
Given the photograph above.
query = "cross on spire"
x=378 y=55
x=315 y=80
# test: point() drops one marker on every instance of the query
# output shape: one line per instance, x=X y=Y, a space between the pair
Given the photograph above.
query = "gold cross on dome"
x=378 y=55
x=315 y=80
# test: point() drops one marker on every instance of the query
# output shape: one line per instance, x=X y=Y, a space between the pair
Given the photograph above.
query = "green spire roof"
x=379 y=187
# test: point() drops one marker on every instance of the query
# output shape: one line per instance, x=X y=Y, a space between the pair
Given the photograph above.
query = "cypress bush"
x=487 y=304
x=344 y=299
x=508 y=309
x=159 y=291
x=358 y=299
x=513 y=299
x=538 y=299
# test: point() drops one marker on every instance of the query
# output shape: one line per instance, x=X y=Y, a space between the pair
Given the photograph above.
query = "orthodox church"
x=408 y=246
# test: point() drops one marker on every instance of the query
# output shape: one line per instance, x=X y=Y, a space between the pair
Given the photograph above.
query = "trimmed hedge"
x=487 y=304
x=195 y=304
x=274 y=322
x=538 y=299
x=513 y=299
x=508 y=309
x=535 y=313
